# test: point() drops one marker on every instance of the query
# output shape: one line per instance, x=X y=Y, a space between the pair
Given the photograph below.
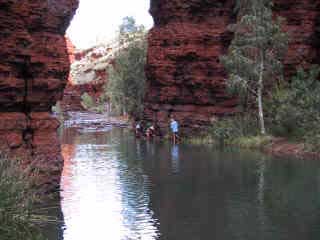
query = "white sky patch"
x=98 y=20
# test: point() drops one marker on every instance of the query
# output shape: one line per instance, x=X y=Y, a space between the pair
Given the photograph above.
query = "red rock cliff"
x=184 y=75
x=33 y=72
x=302 y=22
x=88 y=75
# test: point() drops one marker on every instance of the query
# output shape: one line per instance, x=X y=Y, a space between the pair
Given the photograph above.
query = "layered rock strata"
x=302 y=22
x=33 y=72
x=185 y=77
x=88 y=75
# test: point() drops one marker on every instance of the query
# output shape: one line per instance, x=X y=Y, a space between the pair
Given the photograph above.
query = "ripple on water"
x=103 y=197
x=116 y=187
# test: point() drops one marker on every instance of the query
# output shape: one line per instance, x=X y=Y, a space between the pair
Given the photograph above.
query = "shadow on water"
x=118 y=187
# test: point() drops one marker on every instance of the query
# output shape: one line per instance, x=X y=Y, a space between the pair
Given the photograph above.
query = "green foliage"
x=258 y=141
x=57 y=110
x=129 y=29
x=126 y=78
x=128 y=25
x=312 y=141
x=255 y=54
x=228 y=129
x=294 y=110
x=18 y=198
x=87 y=101
x=90 y=104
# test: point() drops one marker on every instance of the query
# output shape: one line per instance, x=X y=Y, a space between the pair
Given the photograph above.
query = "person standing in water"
x=138 y=129
x=174 y=126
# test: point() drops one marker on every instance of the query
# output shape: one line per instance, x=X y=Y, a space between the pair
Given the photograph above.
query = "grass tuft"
x=18 y=201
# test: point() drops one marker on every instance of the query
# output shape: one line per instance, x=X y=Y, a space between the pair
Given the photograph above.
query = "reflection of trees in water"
x=202 y=193
x=292 y=197
x=285 y=204
x=230 y=195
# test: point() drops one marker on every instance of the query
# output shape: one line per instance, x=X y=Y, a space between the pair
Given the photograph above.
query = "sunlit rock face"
x=33 y=72
x=185 y=77
x=88 y=75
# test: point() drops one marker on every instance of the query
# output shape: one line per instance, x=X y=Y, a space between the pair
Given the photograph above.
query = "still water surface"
x=116 y=187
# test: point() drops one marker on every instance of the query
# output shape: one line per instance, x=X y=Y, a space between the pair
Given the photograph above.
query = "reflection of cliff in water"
x=232 y=195
x=102 y=194
x=125 y=188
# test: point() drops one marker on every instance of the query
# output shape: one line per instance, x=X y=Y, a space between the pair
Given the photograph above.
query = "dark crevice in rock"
x=33 y=71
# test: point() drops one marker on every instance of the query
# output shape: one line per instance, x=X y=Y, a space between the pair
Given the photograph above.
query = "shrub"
x=18 y=218
x=312 y=141
x=225 y=130
x=87 y=101
x=294 y=111
x=253 y=141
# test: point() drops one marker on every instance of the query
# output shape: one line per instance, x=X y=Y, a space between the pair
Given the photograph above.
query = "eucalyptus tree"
x=126 y=76
x=256 y=51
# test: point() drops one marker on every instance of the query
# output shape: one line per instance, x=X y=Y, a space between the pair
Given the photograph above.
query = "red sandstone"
x=33 y=71
x=88 y=75
x=185 y=77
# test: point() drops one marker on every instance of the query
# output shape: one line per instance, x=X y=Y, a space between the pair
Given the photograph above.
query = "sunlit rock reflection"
x=117 y=187
x=102 y=198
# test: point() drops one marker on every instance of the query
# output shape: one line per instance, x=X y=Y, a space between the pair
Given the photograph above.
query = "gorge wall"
x=88 y=75
x=302 y=22
x=33 y=72
x=185 y=77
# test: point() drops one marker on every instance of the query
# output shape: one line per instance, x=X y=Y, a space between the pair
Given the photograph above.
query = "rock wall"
x=33 y=72
x=88 y=75
x=185 y=77
x=302 y=22
x=72 y=95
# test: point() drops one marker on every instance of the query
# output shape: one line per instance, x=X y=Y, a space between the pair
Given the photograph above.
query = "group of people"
x=147 y=130
x=152 y=130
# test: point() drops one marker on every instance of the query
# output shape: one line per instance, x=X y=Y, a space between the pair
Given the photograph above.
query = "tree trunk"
x=260 y=90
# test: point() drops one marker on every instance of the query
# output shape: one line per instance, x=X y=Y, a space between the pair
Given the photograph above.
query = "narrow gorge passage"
x=114 y=186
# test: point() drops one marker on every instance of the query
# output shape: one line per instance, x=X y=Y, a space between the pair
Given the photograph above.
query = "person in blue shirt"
x=174 y=126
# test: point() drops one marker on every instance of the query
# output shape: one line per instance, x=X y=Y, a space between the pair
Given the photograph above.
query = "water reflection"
x=117 y=187
x=175 y=159
x=102 y=197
